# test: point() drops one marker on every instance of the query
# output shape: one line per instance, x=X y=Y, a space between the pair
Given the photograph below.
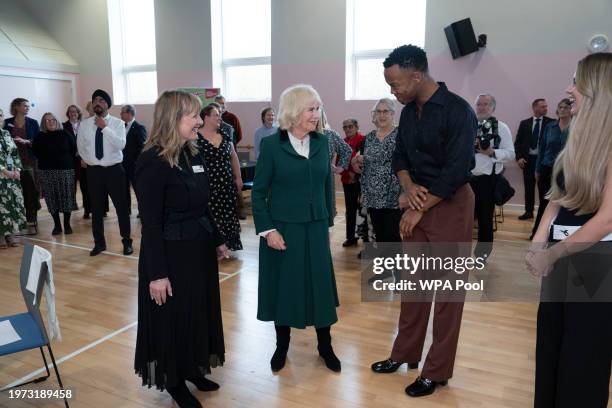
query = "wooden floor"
x=97 y=307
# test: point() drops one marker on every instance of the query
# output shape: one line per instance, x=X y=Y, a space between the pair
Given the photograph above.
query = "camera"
x=487 y=134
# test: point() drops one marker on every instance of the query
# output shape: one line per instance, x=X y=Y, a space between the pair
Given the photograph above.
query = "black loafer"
x=390 y=366
x=525 y=216
x=56 y=231
x=423 y=386
x=97 y=250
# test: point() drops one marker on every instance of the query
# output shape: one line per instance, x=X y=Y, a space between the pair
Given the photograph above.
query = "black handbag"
x=503 y=191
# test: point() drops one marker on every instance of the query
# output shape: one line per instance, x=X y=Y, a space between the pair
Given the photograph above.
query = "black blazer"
x=134 y=142
x=523 y=136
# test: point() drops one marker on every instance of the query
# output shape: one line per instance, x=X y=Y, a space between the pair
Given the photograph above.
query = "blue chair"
x=29 y=325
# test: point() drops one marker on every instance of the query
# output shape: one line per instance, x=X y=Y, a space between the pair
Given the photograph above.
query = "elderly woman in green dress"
x=293 y=210
x=12 y=212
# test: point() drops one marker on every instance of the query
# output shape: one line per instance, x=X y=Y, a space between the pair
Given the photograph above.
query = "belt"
x=560 y=232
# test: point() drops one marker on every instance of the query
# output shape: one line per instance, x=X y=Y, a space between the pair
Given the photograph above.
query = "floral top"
x=340 y=147
x=9 y=155
x=380 y=187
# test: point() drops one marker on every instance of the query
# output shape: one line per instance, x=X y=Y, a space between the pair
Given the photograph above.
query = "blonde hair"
x=293 y=101
x=585 y=158
x=170 y=108
x=43 y=125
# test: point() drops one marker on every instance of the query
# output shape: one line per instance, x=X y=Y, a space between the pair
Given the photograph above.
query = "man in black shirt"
x=433 y=157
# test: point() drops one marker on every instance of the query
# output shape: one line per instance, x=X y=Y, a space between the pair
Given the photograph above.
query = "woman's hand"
x=357 y=164
x=539 y=259
x=275 y=241
x=239 y=184
x=222 y=252
x=408 y=221
x=158 y=290
x=336 y=169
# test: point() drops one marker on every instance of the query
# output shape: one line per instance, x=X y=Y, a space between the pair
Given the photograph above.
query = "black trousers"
x=84 y=190
x=529 y=182
x=351 y=202
x=544 y=183
x=102 y=182
x=573 y=355
x=483 y=187
x=31 y=194
x=386 y=224
x=129 y=181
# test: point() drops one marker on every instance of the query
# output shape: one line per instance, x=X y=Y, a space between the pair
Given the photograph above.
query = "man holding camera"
x=493 y=146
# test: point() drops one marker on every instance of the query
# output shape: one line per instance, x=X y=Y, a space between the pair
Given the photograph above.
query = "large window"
x=132 y=39
x=241 y=37
x=373 y=30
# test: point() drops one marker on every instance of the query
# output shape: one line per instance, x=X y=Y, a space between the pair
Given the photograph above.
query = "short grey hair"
x=493 y=101
x=352 y=120
x=219 y=97
x=293 y=101
x=387 y=101
x=129 y=109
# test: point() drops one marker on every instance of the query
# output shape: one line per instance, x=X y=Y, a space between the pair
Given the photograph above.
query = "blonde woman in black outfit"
x=180 y=333
x=571 y=250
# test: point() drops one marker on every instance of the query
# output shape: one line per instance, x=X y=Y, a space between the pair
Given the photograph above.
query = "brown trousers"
x=449 y=221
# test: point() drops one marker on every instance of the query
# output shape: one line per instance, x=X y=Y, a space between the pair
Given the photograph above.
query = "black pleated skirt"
x=184 y=337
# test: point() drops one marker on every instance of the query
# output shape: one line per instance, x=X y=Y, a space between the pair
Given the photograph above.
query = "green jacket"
x=290 y=188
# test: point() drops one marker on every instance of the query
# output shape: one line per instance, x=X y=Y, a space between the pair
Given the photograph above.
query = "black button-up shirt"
x=437 y=149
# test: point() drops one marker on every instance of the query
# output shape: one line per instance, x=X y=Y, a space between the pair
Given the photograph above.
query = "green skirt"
x=297 y=286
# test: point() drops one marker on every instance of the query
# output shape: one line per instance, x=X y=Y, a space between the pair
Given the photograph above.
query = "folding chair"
x=29 y=325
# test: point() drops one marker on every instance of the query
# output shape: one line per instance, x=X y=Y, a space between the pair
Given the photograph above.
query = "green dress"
x=292 y=194
x=12 y=211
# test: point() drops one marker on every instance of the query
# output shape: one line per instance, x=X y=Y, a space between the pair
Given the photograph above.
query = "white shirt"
x=484 y=163
x=113 y=141
x=533 y=124
x=128 y=126
x=301 y=147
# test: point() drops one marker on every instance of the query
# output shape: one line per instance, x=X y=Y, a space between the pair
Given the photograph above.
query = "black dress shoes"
x=350 y=242
x=390 y=366
x=56 y=230
x=204 y=384
x=423 y=386
x=183 y=398
x=127 y=247
x=97 y=249
x=526 y=216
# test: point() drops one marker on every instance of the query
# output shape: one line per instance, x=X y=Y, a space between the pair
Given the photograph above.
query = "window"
x=132 y=39
x=241 y=38
x=368 y=41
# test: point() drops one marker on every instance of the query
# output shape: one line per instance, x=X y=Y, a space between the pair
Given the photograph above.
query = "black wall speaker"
x=461 y=38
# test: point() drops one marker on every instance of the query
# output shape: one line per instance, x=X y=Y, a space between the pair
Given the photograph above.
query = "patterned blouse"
x=340 y=147
x=380 y=187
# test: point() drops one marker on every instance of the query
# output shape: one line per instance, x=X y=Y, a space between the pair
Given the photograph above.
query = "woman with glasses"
x=56 y=151
x=380 y=188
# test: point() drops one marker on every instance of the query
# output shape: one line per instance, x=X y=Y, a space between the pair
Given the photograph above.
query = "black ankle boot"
x=282 y=346
x=67 y=227
x=203 y=384
x=326 y=351
x=57 y=228
x=183 y=398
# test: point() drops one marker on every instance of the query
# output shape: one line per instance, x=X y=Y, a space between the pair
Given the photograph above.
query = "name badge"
x=198 y=169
